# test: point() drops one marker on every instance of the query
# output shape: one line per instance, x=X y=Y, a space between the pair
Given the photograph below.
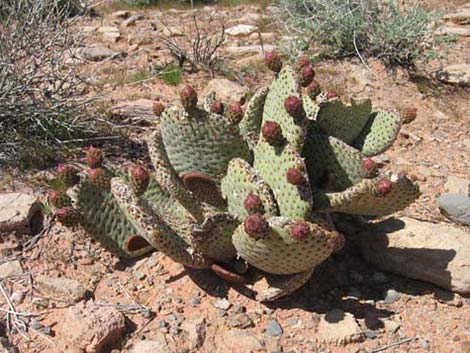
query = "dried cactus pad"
x=283 y=86
x=342 y=121
x=213 y=237
x=332 y=162
x=201 y=143
x=250 y=125
x=240 y=181
x=363 y=198
x=278 y=252
x=272 y=163
x=379 y=133
x=105 y=221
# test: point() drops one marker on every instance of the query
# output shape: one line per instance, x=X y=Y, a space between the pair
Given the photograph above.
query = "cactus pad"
x=250 y=125
x=272 y=163
x=241 y=180
x=379 y=133
x=278 y=253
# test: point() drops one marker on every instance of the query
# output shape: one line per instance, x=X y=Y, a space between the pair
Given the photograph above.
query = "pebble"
x=222 y=313
x=36 y=325
x=178 y=300
x=391 y=296
x=223 y=304
x=370 y=334
x=194 y=301
x=240 y=320
x=273 y=329
x=456 y=207
x=238 y=309
x=18 y=297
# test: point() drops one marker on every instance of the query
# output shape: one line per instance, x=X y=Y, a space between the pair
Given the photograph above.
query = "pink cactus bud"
x=272 y=132
x=256 y=225
x=94 y=157
x=158 y=108
x=253 y=204
x=369 y=164
x=295 y=176
x=235 y=113
x=300 y=231
x=273 y=61
x=301 y=62
x=313 y=89
x=99 y=178
x=217 y=108
x=140 y=179
x=331 y=95
x=68 y=174
x=58 y=199
x=306 y=75
x=383 y=186
x=188 y=97
x=293 y=106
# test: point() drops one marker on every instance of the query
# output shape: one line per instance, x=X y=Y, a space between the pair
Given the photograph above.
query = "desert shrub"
x=40 y=88
x=361 y=27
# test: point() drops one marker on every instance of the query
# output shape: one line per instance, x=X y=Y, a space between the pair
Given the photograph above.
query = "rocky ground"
x=73 y=296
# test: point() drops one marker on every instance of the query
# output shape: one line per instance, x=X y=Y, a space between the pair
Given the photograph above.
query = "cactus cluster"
x=249 y=193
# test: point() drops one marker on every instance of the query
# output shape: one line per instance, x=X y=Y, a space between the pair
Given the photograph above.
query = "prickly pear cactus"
x=246 y=194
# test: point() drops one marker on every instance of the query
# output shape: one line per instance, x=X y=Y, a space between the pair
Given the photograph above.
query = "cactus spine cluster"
x=237 y=190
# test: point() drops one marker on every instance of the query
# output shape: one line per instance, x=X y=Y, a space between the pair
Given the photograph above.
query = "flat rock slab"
x=98 y=53
x=92 y=328
x=339 y=328
x=458 y=31
x=67 y=289
x=458 y=74
x=20 y=213
x=456 y=207
x=10 y=268
x=239 y=341
x=135 y=112
x=240 y=30
x=435 y=253
x=158 y=344
x=461 y=17
x=457 y=185
x=226 y=90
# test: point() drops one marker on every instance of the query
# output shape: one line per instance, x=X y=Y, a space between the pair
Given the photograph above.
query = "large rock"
x=460 y=17
x=458 y=74
x=98 y=53
x=458 y=31
x=457 y=185
x=138 y=111
x=10 y=268
x=456 y=207
x=245 y=50
x=68 y=289
x=436 y=253
x=226 y=90
x=157 y=344
x=339 y=328
x=195 y=333
x=92 y=328
x=21 y=213
x=240 y=30
x=239 y=341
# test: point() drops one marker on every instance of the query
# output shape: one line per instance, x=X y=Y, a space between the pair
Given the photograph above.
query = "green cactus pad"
x=202 y=143
x=272 y=164
x=278 y=253
x=105 y=221
x=379 y=133
x=274 y=287
x=311 y=107
x=166 y=178
x=241 y=180
x=363 y=199
x=213 y=237
x=342 y=121
x=331 y=163
x=250 y=125
x=154 y=229
x=283 y=86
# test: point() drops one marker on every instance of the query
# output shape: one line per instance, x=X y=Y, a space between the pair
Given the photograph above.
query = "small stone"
x=195 y=331
x=391 y=296
x=157 y=344
x=240 y=30
x=121 y=14
x=20 y=213
x=240 y=341
x=221 y=312
x=222 y=304
x=36 y=325
x=178 y=300
x=273 y=329
x=70 y=289
x=370 y=334
x=339 y=328
x=98 y=53
x=93 y=328
x=132 y=20
x=240 y=320
x=227 y=91
x=40 y=302
x=238 y=309
x=391 y=326
x=10 y=268
x=195 y=301
x=17 y=297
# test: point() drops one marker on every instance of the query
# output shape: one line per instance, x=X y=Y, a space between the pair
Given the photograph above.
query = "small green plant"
x=365 y=28
x=172 y=75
